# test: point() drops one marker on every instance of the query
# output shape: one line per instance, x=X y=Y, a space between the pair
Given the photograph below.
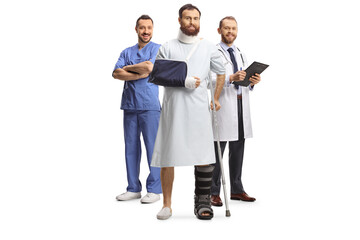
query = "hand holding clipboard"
x=255 y=67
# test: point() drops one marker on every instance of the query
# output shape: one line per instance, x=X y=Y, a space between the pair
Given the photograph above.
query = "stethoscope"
x=227 y=58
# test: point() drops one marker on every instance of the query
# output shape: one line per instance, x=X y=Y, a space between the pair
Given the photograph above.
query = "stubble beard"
x=223 y=38
x=143 y=41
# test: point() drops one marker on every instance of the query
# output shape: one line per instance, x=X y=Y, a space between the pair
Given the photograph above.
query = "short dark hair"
x=143 y=17
x=188 y=7
x=229 y=18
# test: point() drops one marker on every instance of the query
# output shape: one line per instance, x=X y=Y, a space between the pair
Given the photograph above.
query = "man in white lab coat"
x=234 y=123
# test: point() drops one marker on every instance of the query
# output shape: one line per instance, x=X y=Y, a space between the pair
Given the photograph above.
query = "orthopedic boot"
x=203 y=178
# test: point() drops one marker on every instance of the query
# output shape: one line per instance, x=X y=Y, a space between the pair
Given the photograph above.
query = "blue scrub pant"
x=145 y=122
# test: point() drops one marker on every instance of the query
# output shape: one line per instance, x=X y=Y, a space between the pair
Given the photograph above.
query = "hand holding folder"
x=255 y=67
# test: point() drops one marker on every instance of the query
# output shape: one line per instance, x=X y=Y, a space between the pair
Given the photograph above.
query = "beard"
x=143 y=40
x=228 y=40
x=189 y=32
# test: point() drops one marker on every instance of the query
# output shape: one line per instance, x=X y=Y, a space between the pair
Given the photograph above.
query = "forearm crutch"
x=227 y=212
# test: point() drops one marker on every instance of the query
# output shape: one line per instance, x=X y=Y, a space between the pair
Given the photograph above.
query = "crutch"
x=227 y=212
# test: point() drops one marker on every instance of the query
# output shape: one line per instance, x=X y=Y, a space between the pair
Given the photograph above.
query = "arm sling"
x=171 y=73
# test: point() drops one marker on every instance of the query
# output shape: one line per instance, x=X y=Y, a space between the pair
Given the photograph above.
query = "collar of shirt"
x=226 y=47
x=136 y=46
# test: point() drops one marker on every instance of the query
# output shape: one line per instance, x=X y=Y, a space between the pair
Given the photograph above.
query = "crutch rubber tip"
x=227 y=213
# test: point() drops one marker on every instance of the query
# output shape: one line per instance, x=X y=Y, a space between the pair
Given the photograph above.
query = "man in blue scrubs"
x=141 y=106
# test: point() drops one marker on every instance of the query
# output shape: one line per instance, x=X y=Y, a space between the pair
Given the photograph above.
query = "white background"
x=61 y=135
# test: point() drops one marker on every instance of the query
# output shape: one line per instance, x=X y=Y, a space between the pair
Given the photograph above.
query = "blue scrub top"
x=139 y=94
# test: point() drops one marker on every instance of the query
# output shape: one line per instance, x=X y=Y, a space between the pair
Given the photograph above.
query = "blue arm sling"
x=171 y=73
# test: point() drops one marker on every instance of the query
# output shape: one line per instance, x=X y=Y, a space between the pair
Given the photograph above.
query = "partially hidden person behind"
x=185 y=136
x=141 y=106
x=233 y=119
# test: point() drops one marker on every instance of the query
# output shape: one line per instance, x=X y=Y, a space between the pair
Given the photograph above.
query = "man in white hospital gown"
x=185 y=136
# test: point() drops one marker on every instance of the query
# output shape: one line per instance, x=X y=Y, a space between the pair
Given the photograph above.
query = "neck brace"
x=182 y=37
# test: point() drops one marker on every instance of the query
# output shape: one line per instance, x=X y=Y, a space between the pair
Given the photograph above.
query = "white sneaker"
x=128 y=196
x=164 y=213
x=150 y=198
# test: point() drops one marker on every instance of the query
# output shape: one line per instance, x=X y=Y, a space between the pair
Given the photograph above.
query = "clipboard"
x=255 y=67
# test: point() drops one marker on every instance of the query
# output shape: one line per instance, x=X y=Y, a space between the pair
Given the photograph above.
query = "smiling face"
x=228 y=31
x=190 y=22
x=144 y=30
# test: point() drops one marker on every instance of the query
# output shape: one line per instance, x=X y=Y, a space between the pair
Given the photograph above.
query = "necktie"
x=233 y=60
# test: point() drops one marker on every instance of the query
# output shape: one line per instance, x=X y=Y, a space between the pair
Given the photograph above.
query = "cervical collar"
x=185 y=38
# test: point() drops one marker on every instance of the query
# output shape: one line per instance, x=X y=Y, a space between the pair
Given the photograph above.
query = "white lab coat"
x=227 y=116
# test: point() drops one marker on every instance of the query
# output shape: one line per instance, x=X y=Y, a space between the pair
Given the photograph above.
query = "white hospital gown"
x=185 y=135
